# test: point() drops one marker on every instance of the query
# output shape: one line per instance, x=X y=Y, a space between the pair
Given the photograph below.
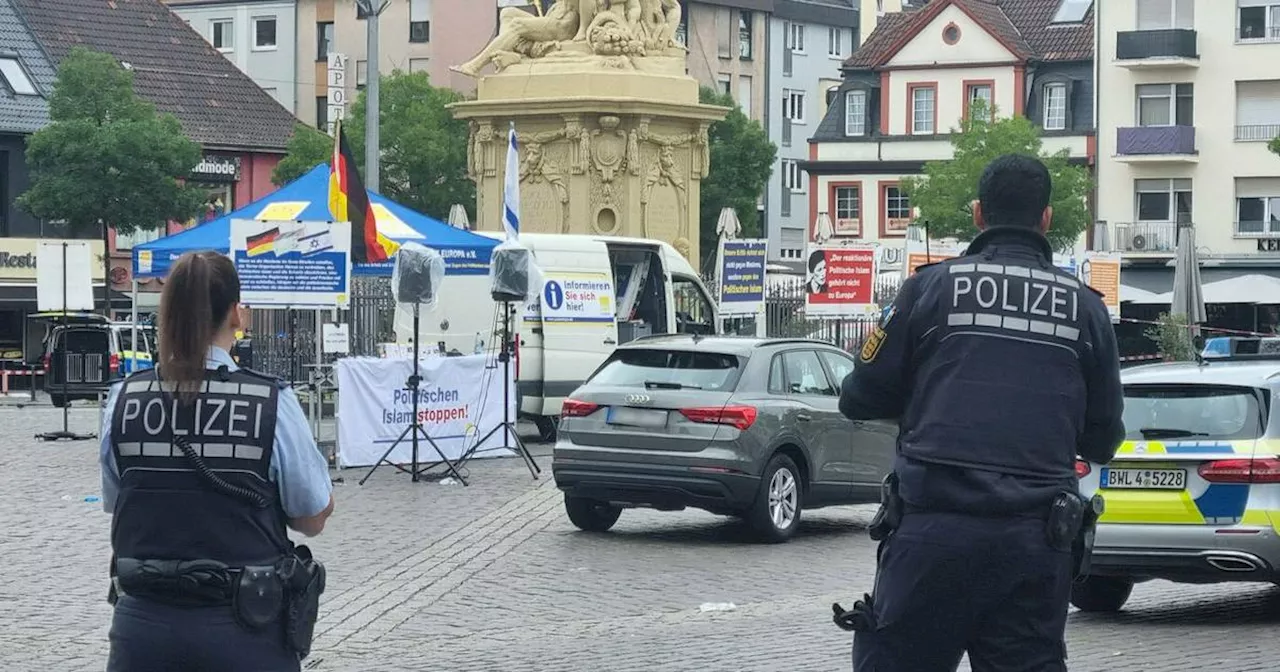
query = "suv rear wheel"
x=591 y=515
x=1101 y=593
x=775 y=515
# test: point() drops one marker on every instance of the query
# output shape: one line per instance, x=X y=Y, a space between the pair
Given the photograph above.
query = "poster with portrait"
x=1101 y=271
x=840 y=281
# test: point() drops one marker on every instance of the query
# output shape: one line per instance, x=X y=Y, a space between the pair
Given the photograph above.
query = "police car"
x=1193 y=494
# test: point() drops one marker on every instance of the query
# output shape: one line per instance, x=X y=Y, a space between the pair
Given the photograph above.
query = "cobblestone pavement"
x=493 y=577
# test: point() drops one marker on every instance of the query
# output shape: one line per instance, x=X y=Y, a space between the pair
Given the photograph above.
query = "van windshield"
x=1192 y=412
x=671 y=369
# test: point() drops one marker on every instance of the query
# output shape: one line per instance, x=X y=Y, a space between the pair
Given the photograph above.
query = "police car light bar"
x=1238 y=347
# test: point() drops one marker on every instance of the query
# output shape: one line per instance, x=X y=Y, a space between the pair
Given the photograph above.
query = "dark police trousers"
x=148 y=636
x=949 y=583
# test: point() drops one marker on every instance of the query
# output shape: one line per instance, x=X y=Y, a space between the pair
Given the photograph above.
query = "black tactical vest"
x=1000 y=384
x=165 y=509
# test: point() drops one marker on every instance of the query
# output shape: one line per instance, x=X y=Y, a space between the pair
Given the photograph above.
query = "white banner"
x=460 y=401
x=292 y=264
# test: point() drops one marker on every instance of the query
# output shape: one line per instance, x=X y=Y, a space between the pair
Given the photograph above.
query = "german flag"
x=349 y=202
x=262 y=243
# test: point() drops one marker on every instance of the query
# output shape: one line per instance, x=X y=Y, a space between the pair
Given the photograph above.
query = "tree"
x=424 y=147
x=1274 y=145
x=108 y=158
x=947 y=189
x=742 y=159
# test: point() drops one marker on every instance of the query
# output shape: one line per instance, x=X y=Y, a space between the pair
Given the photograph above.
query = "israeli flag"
x=511 y=188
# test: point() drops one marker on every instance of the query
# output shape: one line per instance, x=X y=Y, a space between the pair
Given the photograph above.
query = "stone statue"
x=615 y=30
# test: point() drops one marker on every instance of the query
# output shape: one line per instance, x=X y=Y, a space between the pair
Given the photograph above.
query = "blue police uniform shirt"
x=297 y=468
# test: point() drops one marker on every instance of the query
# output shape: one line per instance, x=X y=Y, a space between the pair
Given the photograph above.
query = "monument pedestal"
x=603 y=150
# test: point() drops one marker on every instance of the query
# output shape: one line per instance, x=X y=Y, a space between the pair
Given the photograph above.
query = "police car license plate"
x=1144 y=479
x=636 y=417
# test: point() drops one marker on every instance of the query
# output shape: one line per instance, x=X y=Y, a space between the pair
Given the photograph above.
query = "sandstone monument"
x=611 y=136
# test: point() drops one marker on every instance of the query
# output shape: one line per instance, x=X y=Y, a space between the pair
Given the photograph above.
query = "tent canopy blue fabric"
x=307 y=199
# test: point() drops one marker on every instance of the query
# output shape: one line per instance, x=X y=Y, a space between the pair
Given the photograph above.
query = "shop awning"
x=307 y=199
x=1251 y=288
x=1129 y=294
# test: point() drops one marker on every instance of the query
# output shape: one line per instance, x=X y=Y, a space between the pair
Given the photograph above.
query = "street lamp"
x=372 y=111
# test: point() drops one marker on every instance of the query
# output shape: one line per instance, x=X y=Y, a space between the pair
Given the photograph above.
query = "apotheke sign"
x=18 y=258
x=218 y=169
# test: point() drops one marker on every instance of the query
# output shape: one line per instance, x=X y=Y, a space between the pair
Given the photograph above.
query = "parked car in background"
x=1193 y=494
x=85 y=353
x=736 y=426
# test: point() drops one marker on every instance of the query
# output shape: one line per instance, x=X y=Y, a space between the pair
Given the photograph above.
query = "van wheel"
x=57 y=400
x=591 y=515
x=548 y=426
x=1101 y=593
x=775 y=515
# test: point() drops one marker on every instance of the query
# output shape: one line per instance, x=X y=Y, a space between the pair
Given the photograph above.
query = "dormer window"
x=855 y=113
x=15 y=76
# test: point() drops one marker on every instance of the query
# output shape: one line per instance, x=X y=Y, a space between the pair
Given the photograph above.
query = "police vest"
x=999 y=382
x=166 y=509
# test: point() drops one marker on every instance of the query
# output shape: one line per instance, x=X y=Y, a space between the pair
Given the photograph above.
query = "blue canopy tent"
x=307 y=199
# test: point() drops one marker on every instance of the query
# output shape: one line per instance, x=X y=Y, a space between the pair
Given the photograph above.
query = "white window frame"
x=1170 y=191
x=795 y=37
x=855 y=113
x=16 y=77
x=1171 y=95
x=1182 y=14
x=793 y=105
x=835 y=42
x=1270 y=23
x=858 y=203
x=230 y=25
x=931 y=118
x=989 y=100
x=900 y=197
x=265 y=47
x=792 y=176
x=1052 y=120
x=1080 y=8
x=1270 y=217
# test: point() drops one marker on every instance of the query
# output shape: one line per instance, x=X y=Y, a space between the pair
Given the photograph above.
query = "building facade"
x=808 y=42
x=1189 y=98
x=910 y=84
x=414 y=36
x=258 y=36
x=728 y=45
x=243 y=130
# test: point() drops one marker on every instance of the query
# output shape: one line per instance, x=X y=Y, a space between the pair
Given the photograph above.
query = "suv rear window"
x=83 y=340
x=640 y=367
x=1191 y=412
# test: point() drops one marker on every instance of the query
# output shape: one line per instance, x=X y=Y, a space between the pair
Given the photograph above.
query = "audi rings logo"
x=638 y=399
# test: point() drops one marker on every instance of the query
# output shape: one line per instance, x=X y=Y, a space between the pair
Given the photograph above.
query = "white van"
x=598 y=292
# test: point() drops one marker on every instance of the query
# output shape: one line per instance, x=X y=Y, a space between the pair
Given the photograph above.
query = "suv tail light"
x=1082 y=468
x=574 y=408
x=46 y=362
x=1266 y=470
x=114 y=363
x=741 y=417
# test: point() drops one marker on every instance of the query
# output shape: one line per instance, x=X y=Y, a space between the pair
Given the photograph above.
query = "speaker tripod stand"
x=508 y=423
x=414 y=432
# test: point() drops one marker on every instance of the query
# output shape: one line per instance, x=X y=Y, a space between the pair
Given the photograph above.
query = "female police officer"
x=204 y=464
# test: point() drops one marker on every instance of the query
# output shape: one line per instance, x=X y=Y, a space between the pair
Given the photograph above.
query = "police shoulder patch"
x=871 y=346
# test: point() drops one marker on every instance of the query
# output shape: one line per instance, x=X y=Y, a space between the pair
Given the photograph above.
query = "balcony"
x=1156 y=238
x=1156 y=144
x=1157 y=49
x=1257 y=132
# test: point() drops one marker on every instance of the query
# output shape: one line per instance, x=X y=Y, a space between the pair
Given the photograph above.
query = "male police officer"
x=1001 y=369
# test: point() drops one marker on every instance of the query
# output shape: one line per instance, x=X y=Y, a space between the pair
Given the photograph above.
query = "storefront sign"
x=840 y=281
x=337 y=80
x=1269 y=244
x=217 y=169
x=18 y=258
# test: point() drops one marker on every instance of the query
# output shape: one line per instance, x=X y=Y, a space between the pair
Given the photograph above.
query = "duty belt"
x=181 y=582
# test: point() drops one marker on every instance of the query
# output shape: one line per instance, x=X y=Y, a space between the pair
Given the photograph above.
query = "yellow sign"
x=282 y=211
x=391 y=226
x=18 y=258
x=1101 y=271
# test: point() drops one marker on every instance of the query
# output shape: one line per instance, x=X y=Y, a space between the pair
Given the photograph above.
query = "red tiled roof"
x=1023 y=26
x=174 y=68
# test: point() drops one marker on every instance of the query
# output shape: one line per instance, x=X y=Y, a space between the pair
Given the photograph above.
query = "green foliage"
x=107 y=157
x=1172 y=335
x=947 y=189
x=742 y=159
x=1274 y=145
x=424 y=148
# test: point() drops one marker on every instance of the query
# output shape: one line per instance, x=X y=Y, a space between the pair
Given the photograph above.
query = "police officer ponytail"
x=199 y=295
